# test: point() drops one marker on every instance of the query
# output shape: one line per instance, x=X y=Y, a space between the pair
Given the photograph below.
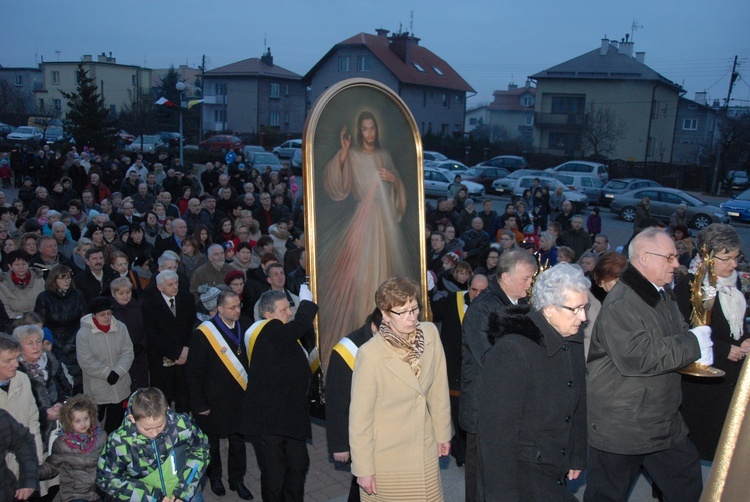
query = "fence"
x=693 y=178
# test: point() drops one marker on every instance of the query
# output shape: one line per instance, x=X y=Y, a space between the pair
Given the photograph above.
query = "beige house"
x=610 y=94
x=118 y=84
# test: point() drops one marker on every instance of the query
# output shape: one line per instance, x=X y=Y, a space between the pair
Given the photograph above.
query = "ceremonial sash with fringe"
x=347 y=349
x=226 y=355
x=251 y=336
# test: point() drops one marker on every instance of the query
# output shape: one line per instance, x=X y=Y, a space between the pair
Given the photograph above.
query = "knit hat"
x=452 y=258
x=234 y=274
x=209 y=296
x=100 y=304
x=468 y=201
x=124 y=229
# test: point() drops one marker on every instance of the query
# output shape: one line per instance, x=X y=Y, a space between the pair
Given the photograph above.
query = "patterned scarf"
x=732 y=303
x=80 y=442
x=410 y=349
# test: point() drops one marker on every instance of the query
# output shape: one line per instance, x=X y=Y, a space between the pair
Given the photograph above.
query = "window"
x=219 y=116
x=55 y=77
x=274 y=119
x=445 y=101
x=690 y=125
x=527 y=101
x=529 y=120
x=437 y=70
x=364 y=63
x=286 y=117
x=473 y=121
x=41 y=104
x=220 y=89
x=418 y=67
x=57 y=104
x=134 y=80
x=343 y=63
x=286 y=89
x=275 y=91
x=19 y=80
x=568 y=104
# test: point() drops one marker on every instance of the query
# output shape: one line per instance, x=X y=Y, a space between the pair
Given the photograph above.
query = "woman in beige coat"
x=399 y=420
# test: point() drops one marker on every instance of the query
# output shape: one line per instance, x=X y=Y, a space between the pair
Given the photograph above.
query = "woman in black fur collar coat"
x=532 y=419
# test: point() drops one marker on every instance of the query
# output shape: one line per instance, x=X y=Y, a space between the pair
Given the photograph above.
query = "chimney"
x=512 y=86
x=382 y=32
x=626 y=47
x=101 y=58
x=700 y=97
x=267 y=58
x=528 y=83
x=401 y=44
x=605 y=47
x=87 y=58
x=640 y=57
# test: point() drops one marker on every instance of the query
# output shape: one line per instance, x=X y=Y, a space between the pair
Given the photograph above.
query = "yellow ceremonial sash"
x=461 y=305
x=233 y=365
x=251 y=336
x=347 y=349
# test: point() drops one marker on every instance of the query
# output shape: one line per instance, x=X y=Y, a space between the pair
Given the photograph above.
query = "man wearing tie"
x=168 y=321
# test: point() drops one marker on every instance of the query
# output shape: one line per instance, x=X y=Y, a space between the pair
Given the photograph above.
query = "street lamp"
x=180 y=86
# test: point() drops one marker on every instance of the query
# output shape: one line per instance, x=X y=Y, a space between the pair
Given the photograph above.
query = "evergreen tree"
x=87 y=120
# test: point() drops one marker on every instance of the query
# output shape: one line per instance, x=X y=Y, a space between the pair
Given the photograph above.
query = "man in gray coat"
x=639 y=342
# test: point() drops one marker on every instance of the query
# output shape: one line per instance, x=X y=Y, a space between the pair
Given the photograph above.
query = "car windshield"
x=265 y=158
x=744 y=195
x=25 y=130
x=616 y=185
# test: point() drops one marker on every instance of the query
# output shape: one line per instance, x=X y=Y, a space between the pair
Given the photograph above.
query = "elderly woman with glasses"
x=105 y=354
x=399 y=419
x=532 y=416
x=705 y=401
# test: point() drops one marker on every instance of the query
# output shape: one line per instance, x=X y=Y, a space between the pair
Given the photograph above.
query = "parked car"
x=5 y=129
x=449 y=165
x=248 y=150
x=738 y=207
x=509 y=162
x=125 y=136
x=485 y=175
x=436 y=184
x=664 y=202
x=622 y=185
x=583 y=166
x=737 y=180
x=578 y=199
x=171 y=138
x=504 y=186
x=26 y=133
x=585 y=183
x=261 y=160
x=54 y=134
x=429 y=156
x=221 y=143
x=297 y=161
x=287 y=148
x=150 y=143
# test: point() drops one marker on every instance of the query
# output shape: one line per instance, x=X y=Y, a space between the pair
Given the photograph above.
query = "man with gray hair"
x=515 y=271
x=213 y=272
x=275 y=407
x=47 y=255
x=168 y=319
x=639 y=342
x=65 y=245
x=169 y=260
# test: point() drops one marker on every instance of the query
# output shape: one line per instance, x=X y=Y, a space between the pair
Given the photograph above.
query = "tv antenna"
x=633 y=28
x=58 y=56
x=411 y=22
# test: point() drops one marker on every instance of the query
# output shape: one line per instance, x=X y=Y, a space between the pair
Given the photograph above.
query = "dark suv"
x=509 y=162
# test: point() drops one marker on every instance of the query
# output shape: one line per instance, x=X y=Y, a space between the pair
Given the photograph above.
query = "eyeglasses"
x=577 y=310
x=406 y=313
x=735 y=258
x=669 y=257
x=236 y=307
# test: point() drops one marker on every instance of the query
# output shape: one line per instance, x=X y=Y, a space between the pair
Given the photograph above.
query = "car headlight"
x=720 y=215
x=609 y=196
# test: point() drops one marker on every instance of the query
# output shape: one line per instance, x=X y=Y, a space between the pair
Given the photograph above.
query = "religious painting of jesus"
x=365 y=223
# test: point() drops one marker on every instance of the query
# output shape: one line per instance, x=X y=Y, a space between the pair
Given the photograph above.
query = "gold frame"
x=311 y=208
x=728 y=479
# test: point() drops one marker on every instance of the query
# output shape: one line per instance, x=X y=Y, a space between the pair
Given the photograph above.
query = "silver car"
x=664 y=202
x=504 y=186
x=436 y=184
x=578 y=199
x=587 y=184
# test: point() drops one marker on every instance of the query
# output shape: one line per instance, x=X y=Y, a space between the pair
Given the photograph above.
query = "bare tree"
x=12 y=101
x=601 y=130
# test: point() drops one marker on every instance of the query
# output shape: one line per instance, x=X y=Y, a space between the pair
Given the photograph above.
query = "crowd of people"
x=153 y=312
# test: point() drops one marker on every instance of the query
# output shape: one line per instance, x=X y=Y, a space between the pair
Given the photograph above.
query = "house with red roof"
x=434 y=92
x=510 y=116
x=248 y=95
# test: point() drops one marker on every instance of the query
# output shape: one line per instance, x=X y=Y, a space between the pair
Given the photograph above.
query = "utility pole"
x=715 y=184
x=203 y=94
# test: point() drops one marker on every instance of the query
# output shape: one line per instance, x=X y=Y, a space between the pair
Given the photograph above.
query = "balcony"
x=559 y=120
x=39 y=87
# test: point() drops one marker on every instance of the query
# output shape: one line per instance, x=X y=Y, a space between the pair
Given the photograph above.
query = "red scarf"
x=18 y=281
x=102 y=327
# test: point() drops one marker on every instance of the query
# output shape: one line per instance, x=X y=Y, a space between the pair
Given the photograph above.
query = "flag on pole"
x=194 y=102
x=164 y=101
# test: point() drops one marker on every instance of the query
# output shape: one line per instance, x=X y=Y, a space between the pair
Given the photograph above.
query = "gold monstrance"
x=702 y=298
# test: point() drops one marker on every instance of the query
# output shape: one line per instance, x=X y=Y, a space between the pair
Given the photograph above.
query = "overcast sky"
x=489 y=42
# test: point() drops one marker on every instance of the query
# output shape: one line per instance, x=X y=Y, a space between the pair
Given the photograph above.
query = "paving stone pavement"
x=326 y=484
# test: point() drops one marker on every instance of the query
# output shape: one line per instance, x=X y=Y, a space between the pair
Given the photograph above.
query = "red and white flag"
x=164 y=101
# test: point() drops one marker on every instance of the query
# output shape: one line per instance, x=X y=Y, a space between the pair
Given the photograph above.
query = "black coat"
x=16 y=438
x=131 y=315
x=532 y=414
x=482 y=315
x=705 y=401
x=90 y=286
x=446 y=311
x=338 y=392
x=211 y=386
x=278 y=379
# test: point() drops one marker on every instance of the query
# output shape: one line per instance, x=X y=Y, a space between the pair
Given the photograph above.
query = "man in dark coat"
x=577 y=238
x=639 y=342
x=450 y=312
x=476 y=241
x=275 y=408
x=217 y=379
x=168 y=321
x=338 y=392
x=94 y=281
x=514 y=273
x=16 y=439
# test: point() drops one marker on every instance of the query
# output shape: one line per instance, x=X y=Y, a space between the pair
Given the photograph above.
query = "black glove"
x=112 y=378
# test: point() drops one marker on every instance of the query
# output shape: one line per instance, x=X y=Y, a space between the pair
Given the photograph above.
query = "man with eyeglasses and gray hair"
x=639 y=342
